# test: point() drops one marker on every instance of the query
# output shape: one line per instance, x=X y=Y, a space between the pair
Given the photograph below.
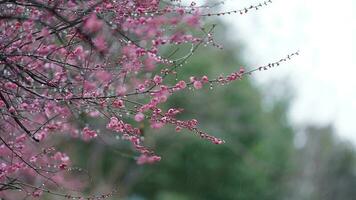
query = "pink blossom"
x=193 y=123
x=79 y=52
x=54 y=76
x=24 y=106
x=217 y=141
x=121 y=90
x=68 y=95
x=37 y=193
x=181 y=85
x=100 y=44
x=12 y=109
x=45 y=32
x=146 y=159
x=181 y=11
x=139 y=117
x=21 y=138
x=157 y=125
x=2 y=103
x=178 y=128
x=11 y=85
x=193 y=20
x=118 y=103
x=205 y=79
x=141 y=87
x=63 y=166
x=61 y=157
x=94 y=113
x=103 y=75
x=150 y=63
x=93 y=24
x=33 y=159
x=88 y=86
x=242 y=70
x=113 y=123
x=40 y=135
x=197 y=85
x=157 y=80
x=88 y=134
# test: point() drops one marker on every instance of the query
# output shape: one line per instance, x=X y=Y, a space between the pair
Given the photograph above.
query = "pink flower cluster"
x=145 y=159
x=89 y=134
x=63 y=61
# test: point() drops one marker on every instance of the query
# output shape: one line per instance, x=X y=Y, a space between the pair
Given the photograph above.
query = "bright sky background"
x=324 y=75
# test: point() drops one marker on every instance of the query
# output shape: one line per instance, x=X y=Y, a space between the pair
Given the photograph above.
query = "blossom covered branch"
x=105 y=59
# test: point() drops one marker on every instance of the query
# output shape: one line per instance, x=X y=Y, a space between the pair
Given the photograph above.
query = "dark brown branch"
x=17 y=119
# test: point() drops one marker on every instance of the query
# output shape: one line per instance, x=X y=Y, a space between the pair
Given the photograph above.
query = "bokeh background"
x=289 y=131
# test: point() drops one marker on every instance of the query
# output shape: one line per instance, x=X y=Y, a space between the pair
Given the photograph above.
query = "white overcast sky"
x=324 y=75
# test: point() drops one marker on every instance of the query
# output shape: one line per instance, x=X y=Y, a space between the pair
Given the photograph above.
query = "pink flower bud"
x=157 y=80
x=242 y=70
x=178 y=129
x=205 y=79
x=12 y=109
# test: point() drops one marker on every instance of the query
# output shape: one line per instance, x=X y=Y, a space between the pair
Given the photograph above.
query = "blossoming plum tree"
x=103 y=58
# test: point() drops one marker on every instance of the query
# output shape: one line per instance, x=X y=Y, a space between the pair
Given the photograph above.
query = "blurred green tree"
x=254 y=162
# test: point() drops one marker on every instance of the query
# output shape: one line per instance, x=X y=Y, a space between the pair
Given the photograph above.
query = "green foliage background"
x=252 y=163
